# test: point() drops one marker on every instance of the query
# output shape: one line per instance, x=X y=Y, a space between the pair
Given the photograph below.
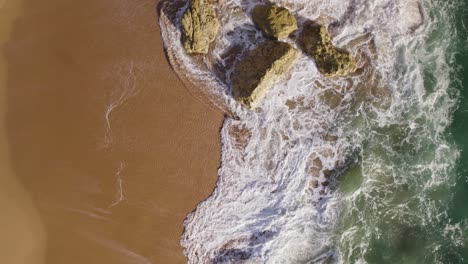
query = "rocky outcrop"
x=274 y=21
x=315 y=40
x=259 y=67
x=199 y=26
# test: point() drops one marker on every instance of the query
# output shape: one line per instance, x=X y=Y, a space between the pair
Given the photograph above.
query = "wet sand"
x=23 y=236
x=106 y=150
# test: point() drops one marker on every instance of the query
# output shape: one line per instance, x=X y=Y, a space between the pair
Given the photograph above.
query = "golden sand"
x=103 y=149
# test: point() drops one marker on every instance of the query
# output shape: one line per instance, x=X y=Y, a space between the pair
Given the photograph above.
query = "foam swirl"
x=319 y=171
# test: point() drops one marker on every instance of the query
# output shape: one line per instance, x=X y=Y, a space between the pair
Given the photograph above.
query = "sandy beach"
x=103 y=150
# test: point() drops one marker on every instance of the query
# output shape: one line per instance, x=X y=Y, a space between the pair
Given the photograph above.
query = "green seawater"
x=407 y=195
x=458 y=210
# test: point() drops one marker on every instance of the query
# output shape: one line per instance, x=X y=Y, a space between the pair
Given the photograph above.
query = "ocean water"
x=368 y=168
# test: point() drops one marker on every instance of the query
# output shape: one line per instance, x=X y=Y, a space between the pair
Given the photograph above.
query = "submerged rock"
x=316 y=41
x=259 y=67
x=274 y=21
x=199 y=26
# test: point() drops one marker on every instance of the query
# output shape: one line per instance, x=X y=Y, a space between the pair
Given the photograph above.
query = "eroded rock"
x=258 y=68
x=316 y=41
x=199 y=26
x=274 y=21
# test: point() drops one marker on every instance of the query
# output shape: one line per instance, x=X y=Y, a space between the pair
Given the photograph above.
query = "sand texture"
x=107 y=147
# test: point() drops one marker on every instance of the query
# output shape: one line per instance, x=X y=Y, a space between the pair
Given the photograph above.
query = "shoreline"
x=112 y=147
x=167 y=12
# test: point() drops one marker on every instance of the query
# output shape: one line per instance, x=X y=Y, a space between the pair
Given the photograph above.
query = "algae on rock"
x=274 y=21
x=259 y=68
x=199 y=26
x=316 y=41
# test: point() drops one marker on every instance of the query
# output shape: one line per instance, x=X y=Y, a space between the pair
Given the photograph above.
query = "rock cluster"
x=315 y=40
x=270 y=59
x=199 y=26
x=267 y=61
x=274 y=21
x=258 y=68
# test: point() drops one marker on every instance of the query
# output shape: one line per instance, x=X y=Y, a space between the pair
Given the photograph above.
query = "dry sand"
x=103 y=151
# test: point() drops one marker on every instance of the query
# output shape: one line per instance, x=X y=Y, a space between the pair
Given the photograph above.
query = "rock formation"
x=199 y=26
x=315 y=40
x=274 y=21
x=258 y=68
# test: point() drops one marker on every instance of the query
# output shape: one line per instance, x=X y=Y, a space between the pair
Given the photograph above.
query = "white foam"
x=263 y=209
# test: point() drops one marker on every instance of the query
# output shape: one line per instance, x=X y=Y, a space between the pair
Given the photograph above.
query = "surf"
x=327 y=168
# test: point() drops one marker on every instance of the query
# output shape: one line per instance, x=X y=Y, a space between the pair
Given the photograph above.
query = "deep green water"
x=408 y=194
x=458 y=131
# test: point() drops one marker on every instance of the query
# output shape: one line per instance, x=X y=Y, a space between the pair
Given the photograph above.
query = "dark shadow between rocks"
x=171 y=8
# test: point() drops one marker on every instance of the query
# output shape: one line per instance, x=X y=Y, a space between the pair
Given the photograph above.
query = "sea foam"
x=279 y=197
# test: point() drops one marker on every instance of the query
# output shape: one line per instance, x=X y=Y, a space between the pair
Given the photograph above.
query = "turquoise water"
x=407 y=196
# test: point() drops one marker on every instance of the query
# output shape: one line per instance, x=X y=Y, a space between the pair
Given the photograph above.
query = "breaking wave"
x=331 y=170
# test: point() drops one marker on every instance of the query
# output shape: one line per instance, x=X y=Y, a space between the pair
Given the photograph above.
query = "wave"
x=329 y=170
